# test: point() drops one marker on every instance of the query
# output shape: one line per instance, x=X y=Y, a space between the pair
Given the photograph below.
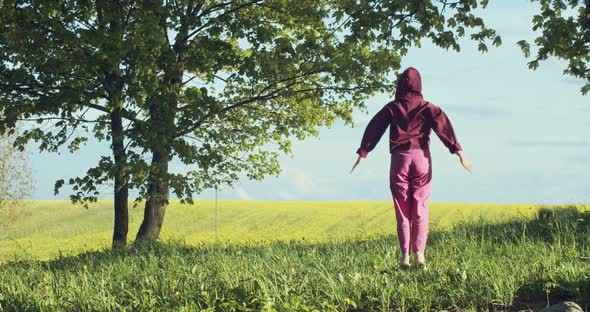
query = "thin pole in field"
x=216 y=218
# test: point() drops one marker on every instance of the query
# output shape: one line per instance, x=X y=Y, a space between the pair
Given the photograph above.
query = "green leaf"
x=525 y=47
x=58 y=185
x=451 y=22
x=460 y=31
x=482 y=47
x=497 y=41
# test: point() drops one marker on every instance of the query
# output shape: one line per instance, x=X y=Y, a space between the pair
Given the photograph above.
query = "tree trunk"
x=162 y=114
x=157 y=201
x=162 y=117
x=111 y=14
x=121 y=181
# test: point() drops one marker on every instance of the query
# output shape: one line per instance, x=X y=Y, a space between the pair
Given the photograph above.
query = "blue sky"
x=524 y=131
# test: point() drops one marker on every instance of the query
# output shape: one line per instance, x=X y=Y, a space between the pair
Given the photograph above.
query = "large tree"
x=65 y=67
x=222 y=86
x=564 y=33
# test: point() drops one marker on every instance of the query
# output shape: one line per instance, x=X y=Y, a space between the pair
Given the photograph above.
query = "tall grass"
x=476 y=265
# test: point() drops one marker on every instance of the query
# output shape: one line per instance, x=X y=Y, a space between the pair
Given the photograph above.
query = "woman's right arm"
x=374 y=131
x=373 y=134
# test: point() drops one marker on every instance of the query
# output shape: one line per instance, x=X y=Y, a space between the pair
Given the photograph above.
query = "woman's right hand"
x=464 y=162
x=358 y=161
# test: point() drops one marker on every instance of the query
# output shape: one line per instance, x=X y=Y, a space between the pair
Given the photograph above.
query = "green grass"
x=480 y=258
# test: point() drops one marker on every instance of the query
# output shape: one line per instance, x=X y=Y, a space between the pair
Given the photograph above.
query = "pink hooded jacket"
x=410 y=118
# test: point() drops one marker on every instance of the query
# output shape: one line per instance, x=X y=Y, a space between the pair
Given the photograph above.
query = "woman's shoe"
x=404 y=262
x=420 y=261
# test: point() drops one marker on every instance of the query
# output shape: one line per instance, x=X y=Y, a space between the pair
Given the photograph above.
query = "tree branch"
x=198 y=8
x=42 y=119
x=587 y=21
x=128 y=16
x=291 y=81
x=126 y=114
x=189 y=80
x=235 y=105
x=313 y=72
x=60 y=22
x=210 y=21
x=214 y=8
x=38 y=89
x=201 y=141
x=330 y=88
x=76 y=124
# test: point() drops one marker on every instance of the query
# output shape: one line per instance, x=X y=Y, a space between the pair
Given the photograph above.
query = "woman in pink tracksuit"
x=410 y=119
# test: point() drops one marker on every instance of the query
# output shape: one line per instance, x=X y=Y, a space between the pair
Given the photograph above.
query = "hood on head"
x=408 y=83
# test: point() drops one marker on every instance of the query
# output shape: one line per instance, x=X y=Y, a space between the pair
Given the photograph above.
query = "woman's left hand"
x=358 y=161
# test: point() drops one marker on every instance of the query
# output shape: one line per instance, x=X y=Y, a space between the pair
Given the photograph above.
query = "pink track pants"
x=410 y=177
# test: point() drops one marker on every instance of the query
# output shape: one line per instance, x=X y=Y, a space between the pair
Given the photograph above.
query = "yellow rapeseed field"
x=46 y=229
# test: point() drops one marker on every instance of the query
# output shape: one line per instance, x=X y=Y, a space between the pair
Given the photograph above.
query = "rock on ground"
x=566 y=306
